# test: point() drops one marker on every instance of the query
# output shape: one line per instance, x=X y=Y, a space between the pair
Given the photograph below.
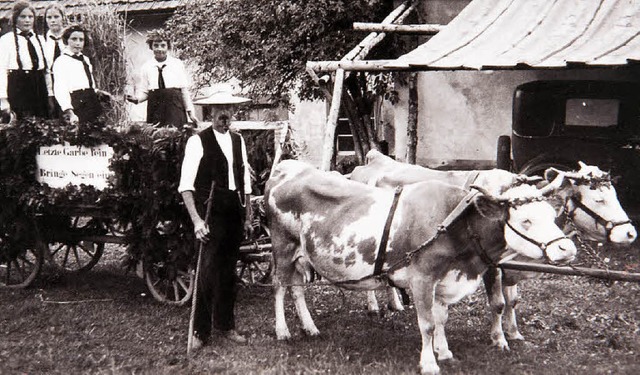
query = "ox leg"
x=282 y=331
x=283 y=269
x=493 y=286
x=394 y=301
x=423 y=291
x=372 y=302
x=511 y=325
x=440 y=344
x=301 y=307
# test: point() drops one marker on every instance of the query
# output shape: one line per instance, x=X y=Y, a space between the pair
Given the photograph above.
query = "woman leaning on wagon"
x=25 y=83
x=74 y=84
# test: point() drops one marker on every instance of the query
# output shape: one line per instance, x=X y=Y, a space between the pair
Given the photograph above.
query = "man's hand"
x=201 y=230
x=130 y=98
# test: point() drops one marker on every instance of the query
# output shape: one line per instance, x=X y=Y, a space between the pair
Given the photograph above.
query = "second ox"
x=588 y=203
x=337 y=227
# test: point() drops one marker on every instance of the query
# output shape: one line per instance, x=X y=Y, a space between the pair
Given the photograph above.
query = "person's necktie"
x=35 y=60
x=56 y=50
x=161 y=84
x=87 y=71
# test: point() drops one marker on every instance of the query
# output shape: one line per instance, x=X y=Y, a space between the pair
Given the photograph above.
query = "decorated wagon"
x=66 y=191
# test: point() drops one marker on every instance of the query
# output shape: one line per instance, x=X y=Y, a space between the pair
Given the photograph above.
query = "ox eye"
x=526 y=224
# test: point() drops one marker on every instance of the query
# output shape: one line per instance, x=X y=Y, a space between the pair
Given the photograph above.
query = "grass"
x=109 y=324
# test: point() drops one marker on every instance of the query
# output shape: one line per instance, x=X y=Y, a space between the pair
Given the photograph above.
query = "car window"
x=596 y=113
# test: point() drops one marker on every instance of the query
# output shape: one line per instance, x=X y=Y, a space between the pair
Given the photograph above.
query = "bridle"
x=543 y=246
x=594 y=182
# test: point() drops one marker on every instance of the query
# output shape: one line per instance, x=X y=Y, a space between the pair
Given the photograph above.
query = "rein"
x=608 y=225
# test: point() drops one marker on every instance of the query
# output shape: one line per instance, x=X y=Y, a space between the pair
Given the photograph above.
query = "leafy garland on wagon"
x=142 y=196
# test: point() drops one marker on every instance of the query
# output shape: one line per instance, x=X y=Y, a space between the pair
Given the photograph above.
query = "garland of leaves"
x=142 y=198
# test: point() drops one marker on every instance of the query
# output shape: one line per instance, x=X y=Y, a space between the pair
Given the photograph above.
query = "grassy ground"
x=106 y=322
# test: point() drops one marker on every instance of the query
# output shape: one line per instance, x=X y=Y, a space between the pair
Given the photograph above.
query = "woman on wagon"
x=74 y=84
x=165 y=84
x=25 y=83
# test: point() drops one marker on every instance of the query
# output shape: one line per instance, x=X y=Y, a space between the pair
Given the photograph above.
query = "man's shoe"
x=234 y=336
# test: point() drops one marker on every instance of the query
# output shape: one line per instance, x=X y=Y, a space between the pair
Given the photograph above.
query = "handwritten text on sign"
x=60 y=165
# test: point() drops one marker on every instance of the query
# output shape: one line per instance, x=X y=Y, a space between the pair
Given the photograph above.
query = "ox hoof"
x=515 y=336
x=502 y=344
x=312 y=332
x=282 y=336
x=429 y=370
x=447 y=355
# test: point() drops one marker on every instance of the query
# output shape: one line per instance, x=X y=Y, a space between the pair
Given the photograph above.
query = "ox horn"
x=488 y=194
x=553 y=185
x=529 y=179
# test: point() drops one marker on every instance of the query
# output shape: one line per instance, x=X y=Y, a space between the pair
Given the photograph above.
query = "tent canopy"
x=538 y=34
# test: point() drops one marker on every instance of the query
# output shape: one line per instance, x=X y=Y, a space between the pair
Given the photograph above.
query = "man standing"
x=219 y=156
x=165 y=85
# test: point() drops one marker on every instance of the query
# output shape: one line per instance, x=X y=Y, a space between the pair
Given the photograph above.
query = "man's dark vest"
x=214 y=165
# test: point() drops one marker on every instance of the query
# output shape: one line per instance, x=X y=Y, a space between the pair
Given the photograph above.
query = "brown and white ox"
x=383 y=171
x=588 y=200
x=325 y=222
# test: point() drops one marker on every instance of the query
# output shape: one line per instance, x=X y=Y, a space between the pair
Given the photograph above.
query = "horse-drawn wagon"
x=67 y=192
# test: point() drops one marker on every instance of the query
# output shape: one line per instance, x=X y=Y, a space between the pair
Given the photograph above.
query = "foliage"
x=265 y=43
x=142 y=197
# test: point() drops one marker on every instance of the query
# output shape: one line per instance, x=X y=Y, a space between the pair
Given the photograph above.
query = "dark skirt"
x=166 y=107
x=86 y=105
x=27 y=93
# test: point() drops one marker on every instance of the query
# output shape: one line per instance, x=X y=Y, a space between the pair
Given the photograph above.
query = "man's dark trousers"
x=217 y=285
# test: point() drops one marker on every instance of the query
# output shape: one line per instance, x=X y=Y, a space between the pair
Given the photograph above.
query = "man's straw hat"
x=221 y=98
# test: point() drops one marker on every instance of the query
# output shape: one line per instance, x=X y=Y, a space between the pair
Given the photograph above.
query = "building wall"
x=462 y=113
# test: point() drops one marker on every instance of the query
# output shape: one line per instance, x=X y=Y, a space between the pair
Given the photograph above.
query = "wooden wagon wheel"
x=255 y=265
x=170 y=280
x=169 y=284
x=20 y=267
x=73 y=255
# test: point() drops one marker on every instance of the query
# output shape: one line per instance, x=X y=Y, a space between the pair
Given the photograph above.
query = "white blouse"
x=8 y=60
x=69 y=77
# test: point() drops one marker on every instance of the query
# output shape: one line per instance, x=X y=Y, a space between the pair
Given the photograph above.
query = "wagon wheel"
x=168 y=283
x=255 y=265
x=19 y=268
x=170 y=278
x=77 y=256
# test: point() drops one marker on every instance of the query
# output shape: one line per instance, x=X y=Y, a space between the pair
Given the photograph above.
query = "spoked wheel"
x=168 y=283
x=73 y=255
x=254 y=266
x=20 y=262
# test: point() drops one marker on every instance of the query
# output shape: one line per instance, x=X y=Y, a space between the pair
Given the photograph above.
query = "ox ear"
x=490 y=208
x=551 y=173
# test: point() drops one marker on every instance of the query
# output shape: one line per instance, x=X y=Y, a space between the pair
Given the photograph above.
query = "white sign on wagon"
x=60 y=165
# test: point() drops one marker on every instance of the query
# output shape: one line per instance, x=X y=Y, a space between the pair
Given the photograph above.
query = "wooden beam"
x=572 y=271
x=431 y=29
x=358 y=65
x=332 y=121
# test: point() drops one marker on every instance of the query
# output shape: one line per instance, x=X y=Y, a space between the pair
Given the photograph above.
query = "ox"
x=589 y=201
x=590 y=205
x=382 y=171
x=325 y=222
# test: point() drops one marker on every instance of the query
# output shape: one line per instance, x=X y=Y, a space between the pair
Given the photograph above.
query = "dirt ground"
x=106 y=322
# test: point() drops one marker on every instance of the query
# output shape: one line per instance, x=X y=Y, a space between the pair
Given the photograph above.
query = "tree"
x=266 y=44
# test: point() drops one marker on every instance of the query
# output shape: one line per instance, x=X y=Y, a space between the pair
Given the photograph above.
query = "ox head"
x=592 y=203
x=529 y=223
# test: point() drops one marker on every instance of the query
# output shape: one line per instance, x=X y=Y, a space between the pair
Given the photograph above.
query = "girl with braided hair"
x=25 y=83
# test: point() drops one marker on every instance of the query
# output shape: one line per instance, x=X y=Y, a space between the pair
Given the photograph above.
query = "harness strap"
x=382 y=249
x=470 y=180
x=606 y=224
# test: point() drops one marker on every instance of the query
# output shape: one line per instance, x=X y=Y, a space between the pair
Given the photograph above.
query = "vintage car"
x=558 y=123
